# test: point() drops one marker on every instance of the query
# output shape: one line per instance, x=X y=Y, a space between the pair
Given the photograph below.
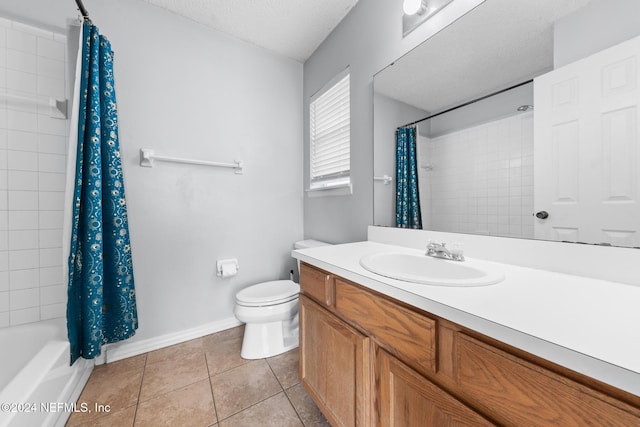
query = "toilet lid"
x=273 y=292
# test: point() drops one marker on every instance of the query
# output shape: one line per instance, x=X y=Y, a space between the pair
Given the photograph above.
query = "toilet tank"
x=305 y=244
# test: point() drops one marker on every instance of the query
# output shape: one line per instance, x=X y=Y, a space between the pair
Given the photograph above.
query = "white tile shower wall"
x=32 y=175
x=480 y=179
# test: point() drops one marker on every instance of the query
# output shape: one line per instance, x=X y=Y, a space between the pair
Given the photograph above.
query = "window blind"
x=330 y=126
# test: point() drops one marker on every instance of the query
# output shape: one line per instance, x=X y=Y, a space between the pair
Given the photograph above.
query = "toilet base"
x=269 y=339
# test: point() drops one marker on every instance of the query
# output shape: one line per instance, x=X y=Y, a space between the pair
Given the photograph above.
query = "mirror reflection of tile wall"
x=480 y=180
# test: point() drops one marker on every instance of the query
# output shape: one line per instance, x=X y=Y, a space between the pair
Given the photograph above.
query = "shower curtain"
x=407 y=194
x=101 y=306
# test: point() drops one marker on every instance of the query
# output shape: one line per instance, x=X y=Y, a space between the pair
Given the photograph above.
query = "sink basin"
x=431 y=271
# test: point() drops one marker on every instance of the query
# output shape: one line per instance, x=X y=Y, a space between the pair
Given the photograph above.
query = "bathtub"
x=37 y=385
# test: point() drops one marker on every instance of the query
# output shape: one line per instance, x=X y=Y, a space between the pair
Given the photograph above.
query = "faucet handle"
x=456 y=251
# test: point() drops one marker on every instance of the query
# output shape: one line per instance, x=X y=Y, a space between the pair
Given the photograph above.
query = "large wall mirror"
x=527 y=123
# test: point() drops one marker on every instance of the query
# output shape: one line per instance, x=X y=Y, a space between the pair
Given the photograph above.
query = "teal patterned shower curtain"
x=101 y=305
x=407 y=194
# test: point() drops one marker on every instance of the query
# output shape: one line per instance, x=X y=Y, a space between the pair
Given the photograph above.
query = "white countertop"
x=588 y=325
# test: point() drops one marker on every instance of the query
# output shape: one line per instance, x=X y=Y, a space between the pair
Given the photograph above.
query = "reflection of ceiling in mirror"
x=499 y=43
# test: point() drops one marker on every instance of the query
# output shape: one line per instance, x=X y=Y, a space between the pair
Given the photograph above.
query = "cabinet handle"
x=328 y=290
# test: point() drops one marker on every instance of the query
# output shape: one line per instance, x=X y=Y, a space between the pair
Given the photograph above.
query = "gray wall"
x=367 y=40
x=600 y=24
x=188 y=91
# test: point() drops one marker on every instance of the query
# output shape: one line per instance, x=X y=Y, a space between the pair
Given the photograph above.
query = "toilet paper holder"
x=227 y=267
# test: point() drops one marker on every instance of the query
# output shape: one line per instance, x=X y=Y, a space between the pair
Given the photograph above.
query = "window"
x=329 y=123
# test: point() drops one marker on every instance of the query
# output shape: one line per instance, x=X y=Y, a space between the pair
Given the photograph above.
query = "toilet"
x=270 y=312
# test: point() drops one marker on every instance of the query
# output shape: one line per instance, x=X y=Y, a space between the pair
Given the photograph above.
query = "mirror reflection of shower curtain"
x=407 y=193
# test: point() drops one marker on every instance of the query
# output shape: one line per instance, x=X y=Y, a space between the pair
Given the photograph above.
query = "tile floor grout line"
x=294 y=406
x=274 y=372
x=144 y=368
x=285 y=391
x=228 y=369
x=106 y=414
x=90 y=422
x=213 y=397
x=172 y=390
x=250 y=406
x=224 y=372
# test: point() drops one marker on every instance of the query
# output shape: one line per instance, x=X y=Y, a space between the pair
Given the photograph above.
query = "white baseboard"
x=122 y=350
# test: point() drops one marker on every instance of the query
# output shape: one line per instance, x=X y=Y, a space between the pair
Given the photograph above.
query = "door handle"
x=542 y=215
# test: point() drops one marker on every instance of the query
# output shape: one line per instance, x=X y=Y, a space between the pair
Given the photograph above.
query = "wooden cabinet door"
x=407 y=399
x=334 y=366
x=516 y=392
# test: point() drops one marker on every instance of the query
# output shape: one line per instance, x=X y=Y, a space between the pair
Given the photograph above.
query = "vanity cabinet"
x=367 y=359
x=333 y=365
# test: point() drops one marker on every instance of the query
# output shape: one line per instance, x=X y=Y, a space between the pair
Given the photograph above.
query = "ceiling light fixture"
x=411 y=7
x=416 y=12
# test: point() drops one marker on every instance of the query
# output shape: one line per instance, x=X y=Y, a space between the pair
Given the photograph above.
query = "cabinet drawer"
x=516 y=392
x=317 y=284
x=409 y=335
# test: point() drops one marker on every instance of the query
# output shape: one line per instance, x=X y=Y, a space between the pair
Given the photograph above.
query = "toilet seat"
x=268 y=293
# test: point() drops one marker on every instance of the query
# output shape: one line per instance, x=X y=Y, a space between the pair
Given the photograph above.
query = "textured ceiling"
x=497 y=44
x=293 y=28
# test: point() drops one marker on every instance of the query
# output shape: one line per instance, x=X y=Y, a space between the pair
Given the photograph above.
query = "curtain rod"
x=473 y=101
x=83 y=10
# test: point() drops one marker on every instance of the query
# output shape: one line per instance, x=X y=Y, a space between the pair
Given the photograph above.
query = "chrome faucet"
x=438 y=250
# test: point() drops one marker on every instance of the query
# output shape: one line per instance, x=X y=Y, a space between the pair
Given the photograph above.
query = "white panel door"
x=586 y=155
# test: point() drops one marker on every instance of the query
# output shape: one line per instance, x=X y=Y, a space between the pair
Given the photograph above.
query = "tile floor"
x=203 y=382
